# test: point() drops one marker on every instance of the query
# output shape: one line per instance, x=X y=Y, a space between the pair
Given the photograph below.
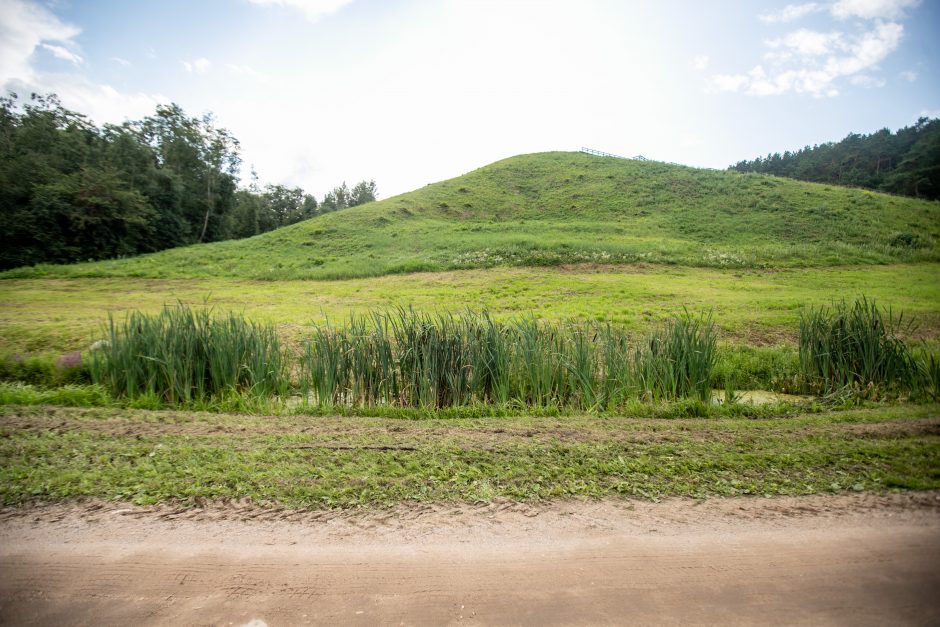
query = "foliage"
x=745 y=367
x=410 y=359
x=855 y=345
x=928 y=375
x=679 y=361
x=68 y=395
x=906 y=162
x=342 y=197
x=72 y=191
x=183 y=356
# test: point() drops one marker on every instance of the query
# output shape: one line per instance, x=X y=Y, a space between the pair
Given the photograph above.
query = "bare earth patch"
x=847 y=559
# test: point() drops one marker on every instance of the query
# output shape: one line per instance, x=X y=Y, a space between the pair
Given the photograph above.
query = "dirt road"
x=851 y=560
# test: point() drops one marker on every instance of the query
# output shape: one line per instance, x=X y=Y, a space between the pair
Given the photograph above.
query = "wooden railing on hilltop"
x=601 y=153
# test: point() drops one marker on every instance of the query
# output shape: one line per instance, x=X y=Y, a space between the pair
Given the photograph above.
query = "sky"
x=409 y=92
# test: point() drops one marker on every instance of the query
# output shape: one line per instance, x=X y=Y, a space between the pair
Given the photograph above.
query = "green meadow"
x=755 y=307
x=558 y=238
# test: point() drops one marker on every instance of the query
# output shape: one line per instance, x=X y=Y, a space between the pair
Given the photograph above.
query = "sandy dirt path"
x=848 y=560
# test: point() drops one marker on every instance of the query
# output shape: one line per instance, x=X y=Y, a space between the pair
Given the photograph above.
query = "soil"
x=858 y=559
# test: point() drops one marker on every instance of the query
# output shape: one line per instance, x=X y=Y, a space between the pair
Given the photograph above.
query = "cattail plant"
x=855 y=345
x=181 y=355
x=411 y=359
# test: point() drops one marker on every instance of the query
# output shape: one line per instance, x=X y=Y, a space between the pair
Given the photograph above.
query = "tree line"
x=74 y=191
x=906 y=162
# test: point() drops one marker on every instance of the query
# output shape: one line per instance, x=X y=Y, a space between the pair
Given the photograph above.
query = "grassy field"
x=752 y=307
x=561 y=236
x=557 y=208
x=149 y=457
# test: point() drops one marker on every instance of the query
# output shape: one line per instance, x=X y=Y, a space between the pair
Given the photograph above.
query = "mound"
x=561 y=208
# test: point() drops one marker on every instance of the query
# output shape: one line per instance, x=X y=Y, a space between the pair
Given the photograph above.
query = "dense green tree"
x=341 y=197
x=286 y=205
x=90 y=214
x=335 y=199
x=71 y=191
x=906 y=162
x=362 y=192
x=204 y=159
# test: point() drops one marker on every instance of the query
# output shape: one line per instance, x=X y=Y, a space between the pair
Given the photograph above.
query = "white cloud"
x=824 y=59
x=700 y=62
x=26 y=27
x=729 y=82
x=872 y=9
x=241 y=70
x=100 y=102
x=808 y=42
x=909 y=75
x=777 y=58
x=120 y=61
x=103 y=103
x=868 y=50
x=61 y=52
x=23 y=27
x=312 y=9
x=198 y=66
x=929 y=113
x=790 y=12
x=866 y=81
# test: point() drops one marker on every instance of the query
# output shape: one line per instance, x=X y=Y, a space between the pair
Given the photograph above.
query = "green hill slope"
x=558 y=208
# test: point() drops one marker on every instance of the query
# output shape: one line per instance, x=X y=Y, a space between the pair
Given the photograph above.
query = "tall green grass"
x=857 y=345
x=678 y=362
x=185 y=356
x=403 y=359
x=410 y=359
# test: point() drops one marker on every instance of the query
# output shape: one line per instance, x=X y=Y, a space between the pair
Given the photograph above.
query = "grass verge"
x=49 y=453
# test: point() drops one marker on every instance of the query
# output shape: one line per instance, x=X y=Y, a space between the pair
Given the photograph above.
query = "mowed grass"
x=556 y=208
x=52 y=454
x=752 y=307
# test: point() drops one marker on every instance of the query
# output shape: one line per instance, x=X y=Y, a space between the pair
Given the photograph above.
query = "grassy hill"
x=560 y=208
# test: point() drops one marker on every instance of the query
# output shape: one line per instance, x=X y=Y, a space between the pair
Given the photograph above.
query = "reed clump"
x=411 y=359
x=402 y=359
x=856 y=345
x=183 y=356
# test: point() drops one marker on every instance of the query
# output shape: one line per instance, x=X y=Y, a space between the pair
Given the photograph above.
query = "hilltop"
x=561 y=208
